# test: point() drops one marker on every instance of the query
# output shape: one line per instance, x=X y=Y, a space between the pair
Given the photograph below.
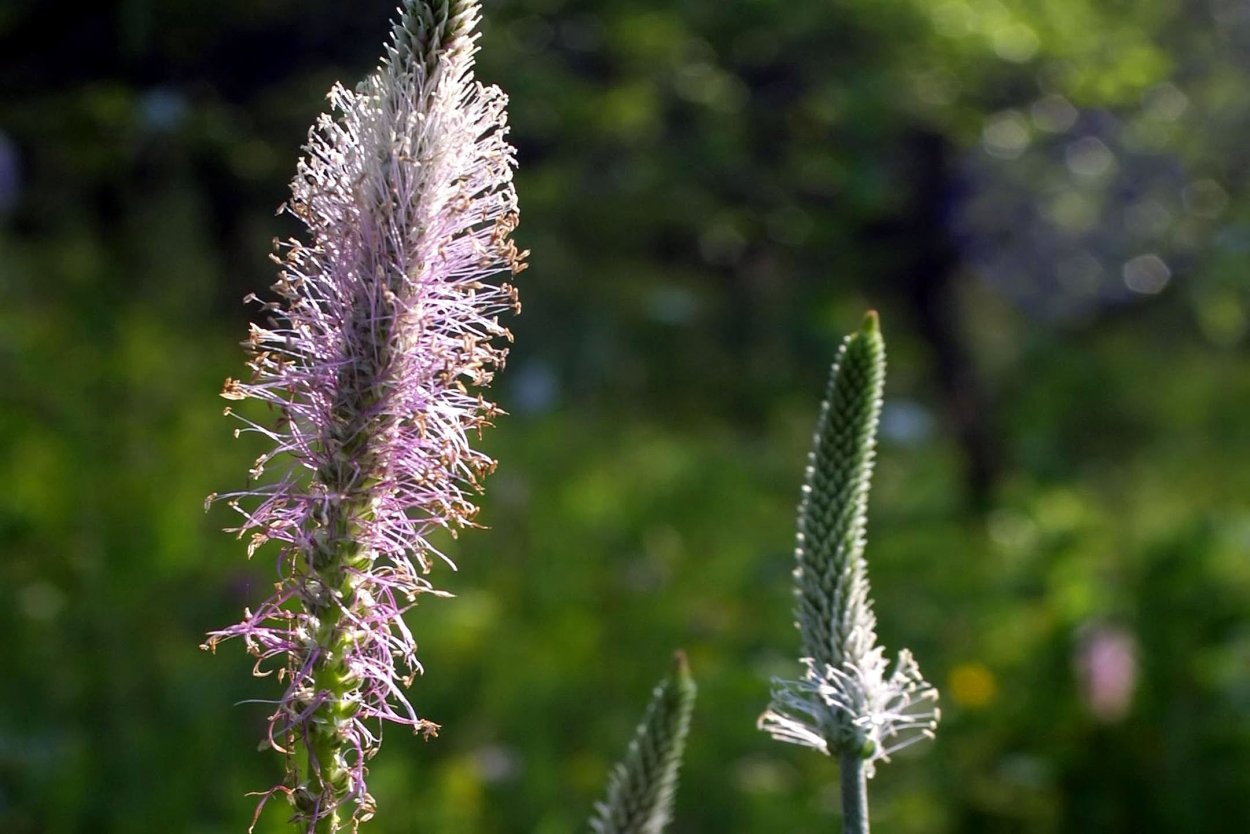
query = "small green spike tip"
x=642 y=786
x=681 y=666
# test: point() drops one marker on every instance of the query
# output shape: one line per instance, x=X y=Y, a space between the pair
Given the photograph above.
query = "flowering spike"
x=643 y=785
x=846 y=703
x=386 y=321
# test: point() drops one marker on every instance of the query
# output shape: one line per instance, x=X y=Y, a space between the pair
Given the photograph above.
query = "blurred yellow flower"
x=972 y=685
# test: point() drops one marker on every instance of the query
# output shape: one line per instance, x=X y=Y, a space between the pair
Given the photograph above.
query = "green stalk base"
x=854 y=793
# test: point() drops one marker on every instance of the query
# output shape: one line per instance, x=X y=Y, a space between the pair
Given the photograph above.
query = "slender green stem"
x=854 y=793
x=326 y=825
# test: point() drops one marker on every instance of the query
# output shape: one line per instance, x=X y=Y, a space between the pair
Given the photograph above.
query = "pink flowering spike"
x=386 y=320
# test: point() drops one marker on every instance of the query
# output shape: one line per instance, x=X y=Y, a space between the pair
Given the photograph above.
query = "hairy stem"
x=854 y=793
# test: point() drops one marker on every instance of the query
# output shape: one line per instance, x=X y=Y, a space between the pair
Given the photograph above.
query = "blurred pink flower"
x=1106 y=669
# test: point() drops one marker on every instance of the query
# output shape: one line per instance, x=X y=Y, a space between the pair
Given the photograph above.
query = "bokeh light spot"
x=1073 y=212
x=1147 y=274
x=1015 y=42
x=40 y=601
x=953 y=19
x=1088 y=156
x=1006 y=135
x=1205 y=198
x=937 y=87
x=1165 y=102
x=1053 y=114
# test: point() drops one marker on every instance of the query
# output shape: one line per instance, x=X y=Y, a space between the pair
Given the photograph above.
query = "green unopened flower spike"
x=847 y=703
x=643 y=784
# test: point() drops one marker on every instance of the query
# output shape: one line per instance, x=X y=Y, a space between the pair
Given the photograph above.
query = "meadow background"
x=1047 y=204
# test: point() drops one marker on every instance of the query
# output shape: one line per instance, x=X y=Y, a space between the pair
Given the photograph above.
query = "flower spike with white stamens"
x=386 y=322
x=847 y=703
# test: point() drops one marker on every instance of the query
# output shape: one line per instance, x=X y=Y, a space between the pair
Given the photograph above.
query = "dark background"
x=1046 y=202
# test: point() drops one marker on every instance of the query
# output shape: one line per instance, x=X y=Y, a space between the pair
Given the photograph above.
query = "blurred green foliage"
x=713 y=193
